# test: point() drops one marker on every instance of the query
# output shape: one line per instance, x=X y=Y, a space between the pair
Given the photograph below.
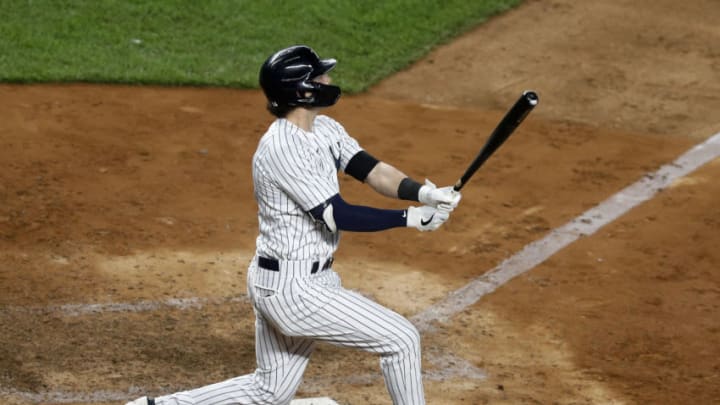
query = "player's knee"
x=281 y=399
x=407 y=339
x=283 y=392
x=282 y=396
x=414 y=338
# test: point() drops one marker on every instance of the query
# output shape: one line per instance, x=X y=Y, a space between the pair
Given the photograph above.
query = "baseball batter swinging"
x=297 y=297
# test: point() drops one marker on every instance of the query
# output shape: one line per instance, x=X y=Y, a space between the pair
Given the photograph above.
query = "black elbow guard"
x=360 y=165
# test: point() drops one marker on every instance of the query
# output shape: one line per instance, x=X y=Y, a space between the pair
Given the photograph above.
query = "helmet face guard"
x=286 y=78
x=320 y=95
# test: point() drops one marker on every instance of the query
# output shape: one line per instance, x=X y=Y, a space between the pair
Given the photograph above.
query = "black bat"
x=502 y=132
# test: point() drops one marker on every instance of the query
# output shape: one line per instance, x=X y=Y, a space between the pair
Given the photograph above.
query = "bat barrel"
x=522 y=107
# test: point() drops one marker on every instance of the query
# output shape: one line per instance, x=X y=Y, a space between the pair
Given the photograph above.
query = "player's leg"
x=325 y=311
x=281 y=362
x=367 y=325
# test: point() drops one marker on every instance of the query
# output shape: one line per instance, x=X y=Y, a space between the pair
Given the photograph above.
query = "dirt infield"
x=127 y=220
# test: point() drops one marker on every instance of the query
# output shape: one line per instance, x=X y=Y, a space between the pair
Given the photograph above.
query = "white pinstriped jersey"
x=293 y=172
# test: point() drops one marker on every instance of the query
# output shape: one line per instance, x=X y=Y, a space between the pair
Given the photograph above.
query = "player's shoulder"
x=278 y=133
x=327 y=123
x=326 y=119
x=281 y=138
x=268 y=141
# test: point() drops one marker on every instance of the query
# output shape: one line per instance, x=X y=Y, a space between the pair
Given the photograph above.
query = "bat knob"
x=531 y=97
x=458 y=185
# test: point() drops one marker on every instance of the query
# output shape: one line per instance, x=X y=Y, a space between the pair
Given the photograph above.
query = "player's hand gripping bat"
x=504 y=129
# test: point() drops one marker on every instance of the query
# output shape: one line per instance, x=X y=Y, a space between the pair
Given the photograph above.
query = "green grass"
x=221 y=42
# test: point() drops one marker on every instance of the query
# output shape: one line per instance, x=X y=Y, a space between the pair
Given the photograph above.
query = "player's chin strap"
x=335 y=214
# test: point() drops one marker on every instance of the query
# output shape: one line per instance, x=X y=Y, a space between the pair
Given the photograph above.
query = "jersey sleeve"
x=348 y=145
x=306 y=176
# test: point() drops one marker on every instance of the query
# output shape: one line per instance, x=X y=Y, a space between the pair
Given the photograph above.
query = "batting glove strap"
x=409 y=189
x=445 y=197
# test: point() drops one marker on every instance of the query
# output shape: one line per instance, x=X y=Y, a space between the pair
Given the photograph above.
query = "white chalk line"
x=530 y=256
x=139 y=306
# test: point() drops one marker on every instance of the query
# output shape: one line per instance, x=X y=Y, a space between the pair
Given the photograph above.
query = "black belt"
x=274 y=265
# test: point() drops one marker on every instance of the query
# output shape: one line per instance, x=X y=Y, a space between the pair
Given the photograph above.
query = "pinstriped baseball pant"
x=295 y=309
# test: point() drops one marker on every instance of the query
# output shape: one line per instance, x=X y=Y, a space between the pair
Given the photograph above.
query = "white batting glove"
x=426 y=218
x=445 y=197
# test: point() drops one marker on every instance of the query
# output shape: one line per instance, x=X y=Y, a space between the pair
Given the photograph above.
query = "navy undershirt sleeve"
x=358 y=218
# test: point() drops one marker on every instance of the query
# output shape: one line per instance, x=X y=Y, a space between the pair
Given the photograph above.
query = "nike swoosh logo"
x=423 y=223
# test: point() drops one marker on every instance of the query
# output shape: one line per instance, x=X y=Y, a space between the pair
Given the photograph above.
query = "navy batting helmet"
x=286 y=78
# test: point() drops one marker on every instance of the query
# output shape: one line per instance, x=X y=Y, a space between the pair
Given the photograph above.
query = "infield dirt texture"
x=127 y=220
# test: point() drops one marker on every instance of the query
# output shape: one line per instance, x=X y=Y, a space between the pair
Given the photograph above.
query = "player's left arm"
x=385 y=178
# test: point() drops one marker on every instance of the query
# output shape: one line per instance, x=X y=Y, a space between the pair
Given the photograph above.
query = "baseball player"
x=297 y=297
